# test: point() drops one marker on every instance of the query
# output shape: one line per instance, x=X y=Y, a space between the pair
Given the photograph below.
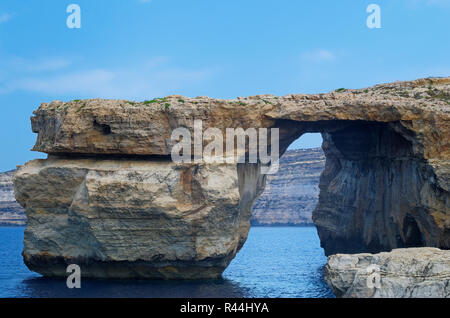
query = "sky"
x=141 y=49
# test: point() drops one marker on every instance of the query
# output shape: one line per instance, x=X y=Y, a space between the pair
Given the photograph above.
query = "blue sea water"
x=274 y=262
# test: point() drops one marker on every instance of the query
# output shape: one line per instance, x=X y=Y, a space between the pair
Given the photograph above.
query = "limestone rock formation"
x=126 y=210
x=291 y=194
x=121 y=219
x=11 y=213
x=403 y=273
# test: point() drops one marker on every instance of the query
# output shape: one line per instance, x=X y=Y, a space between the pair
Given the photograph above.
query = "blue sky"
x=140 y=49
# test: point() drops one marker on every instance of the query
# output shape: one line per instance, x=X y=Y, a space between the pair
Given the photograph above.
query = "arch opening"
x=282 y=221
x=291 y=194
x=370 y=187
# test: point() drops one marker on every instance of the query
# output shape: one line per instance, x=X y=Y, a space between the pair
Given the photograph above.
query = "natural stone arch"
x=110 y=199
x=375 y=188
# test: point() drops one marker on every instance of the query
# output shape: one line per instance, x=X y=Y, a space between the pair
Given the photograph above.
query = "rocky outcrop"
x=11 y=213
x=123 y=218
x=291 y=194
x=126 y=210
x=403 y=273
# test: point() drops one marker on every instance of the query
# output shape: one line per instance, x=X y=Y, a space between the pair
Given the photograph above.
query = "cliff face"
x=110 y=199
x=376 y=193
x=291 y=194
x=11 y=213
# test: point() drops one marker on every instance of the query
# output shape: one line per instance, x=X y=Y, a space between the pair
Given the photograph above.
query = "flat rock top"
x=97 y=126
x=428 y=93
x=400 y=254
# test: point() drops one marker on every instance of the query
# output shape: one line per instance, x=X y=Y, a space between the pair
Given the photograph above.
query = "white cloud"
x=319 y=55
x=149 y=78
x=155 y=61
x=4 y=17
x=21 y=64
x=85 y=82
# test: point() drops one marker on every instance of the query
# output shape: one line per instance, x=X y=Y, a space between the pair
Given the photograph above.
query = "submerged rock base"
x=55 y=266
x=402 y=273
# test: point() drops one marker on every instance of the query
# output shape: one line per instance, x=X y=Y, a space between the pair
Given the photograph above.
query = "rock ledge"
x=401 y=273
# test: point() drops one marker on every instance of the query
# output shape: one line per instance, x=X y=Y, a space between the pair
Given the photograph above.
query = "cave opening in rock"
x=103 y=128
x=411 y=233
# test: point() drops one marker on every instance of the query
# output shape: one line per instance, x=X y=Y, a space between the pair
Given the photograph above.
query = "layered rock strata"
x=134 y=218
x=385 y=183
x=288 y=199
x=291 y=194
x=403 y=273
x=11 y=213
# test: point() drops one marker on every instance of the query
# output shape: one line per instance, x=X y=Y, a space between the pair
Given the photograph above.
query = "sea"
x=274 y=262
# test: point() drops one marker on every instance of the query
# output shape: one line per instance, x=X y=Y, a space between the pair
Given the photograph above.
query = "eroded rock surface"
x=385 y=183
x=402 y=273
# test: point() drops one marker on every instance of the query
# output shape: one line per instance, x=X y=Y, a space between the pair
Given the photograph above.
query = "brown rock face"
x=385 y=183
x=376 y=189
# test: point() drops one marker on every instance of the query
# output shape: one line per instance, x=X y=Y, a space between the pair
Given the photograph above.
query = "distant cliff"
x=11 y=213
x=291 y=195
x=289 y=198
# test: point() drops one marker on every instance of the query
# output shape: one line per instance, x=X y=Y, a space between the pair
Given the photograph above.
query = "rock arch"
x=109 y=198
